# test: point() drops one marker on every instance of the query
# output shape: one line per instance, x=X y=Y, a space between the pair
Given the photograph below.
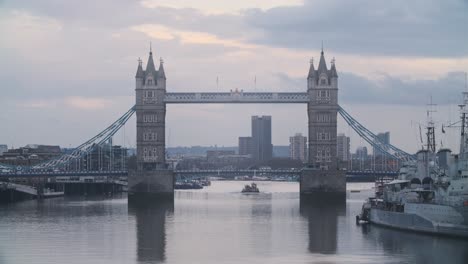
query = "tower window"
x=323 y=95
x=149 y=136
x=149 y=118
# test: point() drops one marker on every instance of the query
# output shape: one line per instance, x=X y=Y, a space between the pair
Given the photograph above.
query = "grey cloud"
x=117 y=14
x=415 y=28
x=355 y=89
x=393 y=90
x=393 y=28
x=91 y=63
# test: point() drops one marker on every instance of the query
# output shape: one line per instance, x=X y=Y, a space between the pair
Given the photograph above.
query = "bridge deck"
x=111 y=174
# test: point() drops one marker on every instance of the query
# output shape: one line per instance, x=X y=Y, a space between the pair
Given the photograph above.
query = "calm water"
x=214 y=225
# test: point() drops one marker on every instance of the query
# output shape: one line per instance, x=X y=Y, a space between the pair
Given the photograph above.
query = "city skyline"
x=208 y=131
x=58 y=86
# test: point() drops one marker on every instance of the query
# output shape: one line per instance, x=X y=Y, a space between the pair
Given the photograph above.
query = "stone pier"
x=322 y=181
x=151 y=183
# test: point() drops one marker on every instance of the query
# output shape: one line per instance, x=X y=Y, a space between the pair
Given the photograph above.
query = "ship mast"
x=431 y=143
x=463 y=111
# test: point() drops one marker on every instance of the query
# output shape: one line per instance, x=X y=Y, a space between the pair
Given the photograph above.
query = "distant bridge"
x=222 y=172
x=46 y=174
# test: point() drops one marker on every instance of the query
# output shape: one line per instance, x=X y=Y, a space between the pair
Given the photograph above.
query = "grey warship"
x=431 y=192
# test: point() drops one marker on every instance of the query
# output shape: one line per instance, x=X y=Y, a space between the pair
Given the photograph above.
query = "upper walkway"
x=237 y=97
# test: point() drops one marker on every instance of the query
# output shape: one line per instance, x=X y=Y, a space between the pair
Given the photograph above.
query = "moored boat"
x=431 y=192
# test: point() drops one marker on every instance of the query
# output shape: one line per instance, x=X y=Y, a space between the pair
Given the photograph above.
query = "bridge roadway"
x=292 y=172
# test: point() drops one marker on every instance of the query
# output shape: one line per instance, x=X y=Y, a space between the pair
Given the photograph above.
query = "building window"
x=321 y=136
x=149 y=94
x=323 y=81
x=323 y=95
x=149 y=136
x=150 y=118
x=150 y=82
x=323 y=154
x=327 y=154
x=323 y=118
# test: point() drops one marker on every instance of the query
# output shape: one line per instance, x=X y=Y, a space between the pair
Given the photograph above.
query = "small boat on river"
x=252 y=188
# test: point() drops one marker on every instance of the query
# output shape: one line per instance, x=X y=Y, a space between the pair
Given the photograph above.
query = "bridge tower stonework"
x=322 y=173
x=151 y=176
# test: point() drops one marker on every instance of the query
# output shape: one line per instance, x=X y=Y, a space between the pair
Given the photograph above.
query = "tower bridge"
x=321 y=97
x=152 y=175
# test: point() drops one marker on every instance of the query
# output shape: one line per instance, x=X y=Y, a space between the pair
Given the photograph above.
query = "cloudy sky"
x=67 y=67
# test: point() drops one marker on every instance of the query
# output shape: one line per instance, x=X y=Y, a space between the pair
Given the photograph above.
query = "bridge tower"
x=322 y=173
x=151 y=176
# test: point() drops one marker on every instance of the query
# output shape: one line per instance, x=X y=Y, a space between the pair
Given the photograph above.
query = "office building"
x=261 y=138
x=245 y=146
x=298 y=147
x=384 y=138
x=342 y=147
x=3 y=148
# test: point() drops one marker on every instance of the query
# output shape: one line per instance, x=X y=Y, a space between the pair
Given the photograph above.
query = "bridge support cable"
x=373 y=140
x=88 y=146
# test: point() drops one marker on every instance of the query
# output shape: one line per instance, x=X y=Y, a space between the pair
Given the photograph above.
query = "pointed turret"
x=322 y=64
x=311 y=70
x=150 y=69
x=161 y=73
x=333 y=72
x=140 y=73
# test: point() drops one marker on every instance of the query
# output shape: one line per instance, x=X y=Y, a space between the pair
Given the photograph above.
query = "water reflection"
x=421 y=248
x=261 y=223
x=322 y=213
x=150 y=218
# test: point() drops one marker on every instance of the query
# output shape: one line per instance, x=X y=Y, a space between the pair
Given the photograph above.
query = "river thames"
x=215 y=225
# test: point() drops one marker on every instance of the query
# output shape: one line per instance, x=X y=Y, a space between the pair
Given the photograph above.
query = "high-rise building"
x=245 y=146
x=261 y=138
x=361 y=153
x=3 y=148
x=384 y=138
x=298 y=147
x=342 y=147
